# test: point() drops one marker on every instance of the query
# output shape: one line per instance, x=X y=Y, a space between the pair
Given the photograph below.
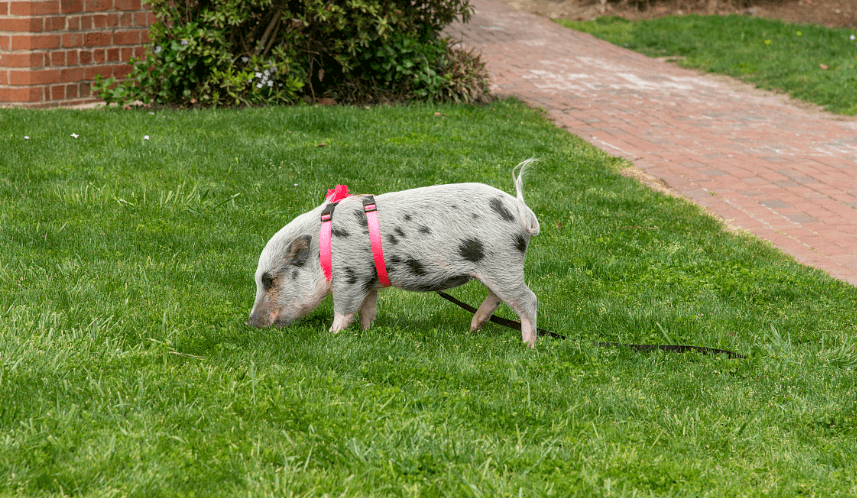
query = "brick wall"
x=51 y=50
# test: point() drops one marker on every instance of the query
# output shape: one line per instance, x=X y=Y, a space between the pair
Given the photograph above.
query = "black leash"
x=638 y=347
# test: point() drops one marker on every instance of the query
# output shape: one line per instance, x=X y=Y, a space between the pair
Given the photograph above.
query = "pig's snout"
x=262 y=319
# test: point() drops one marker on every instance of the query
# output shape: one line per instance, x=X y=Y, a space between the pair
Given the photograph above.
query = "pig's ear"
x=299 y=250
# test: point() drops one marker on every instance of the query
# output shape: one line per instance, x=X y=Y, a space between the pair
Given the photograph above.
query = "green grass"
x=766 y=52
x=126 y=276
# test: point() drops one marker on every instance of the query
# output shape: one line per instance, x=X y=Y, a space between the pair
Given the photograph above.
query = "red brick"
x=113 y=54
x=122 y=71
x=112 y=20
x=96 y=39
x=4 y=8
x=21 y=94
x=99 y=56
x=126 y=53
x=99 y=21
x=40 y=77
x=34 y=8
x=126 y=38
x=139 y=52
x=91 y=71
x=71 y=91
x=72 y=74
x=22 y=60
x=86 y=22
x=126 y=19
x=56 y=23
x=85 y=56
x=34 y=42
x=144 y=19
x=73 y=22
x=4 y=42
x=57 y=92
x=85 y=89
x=70 y=40
x=71 y=57
x=58 y=58
x=144 y=38
x=22 y=24
x=126 y=4
x=4 y=77
x=71 y=6
x=97 y=5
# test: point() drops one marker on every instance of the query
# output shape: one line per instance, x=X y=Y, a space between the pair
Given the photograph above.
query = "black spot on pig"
x=439 y=285
x=295 y=275
x=455 y=206
x=399 y=232
x=521 y=243
x=498 y=207
x=425 y=230
x=267 y=281
x=350 y=276
x=471 y=250
x=416 y=267
x=373 y=280
x=360 y=216
x=407 y=217
x=392 y=239
x=340 y=232
x=476 y=216
x=451 y=282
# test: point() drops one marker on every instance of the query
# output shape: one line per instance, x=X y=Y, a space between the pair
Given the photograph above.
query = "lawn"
x=813 y=63
x=127 y=253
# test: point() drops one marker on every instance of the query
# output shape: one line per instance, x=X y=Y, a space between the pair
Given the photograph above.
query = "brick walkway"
x=786 y=174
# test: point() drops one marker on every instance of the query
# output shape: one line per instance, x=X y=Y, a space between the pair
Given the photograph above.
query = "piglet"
x=433 y=238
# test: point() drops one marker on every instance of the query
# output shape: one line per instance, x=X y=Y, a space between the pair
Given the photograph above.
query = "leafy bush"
x=257 y=52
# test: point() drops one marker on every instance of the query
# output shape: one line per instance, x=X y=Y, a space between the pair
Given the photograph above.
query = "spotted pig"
x=434 y=238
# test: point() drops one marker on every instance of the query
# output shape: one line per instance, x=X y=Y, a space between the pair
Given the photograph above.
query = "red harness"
x=333 y=197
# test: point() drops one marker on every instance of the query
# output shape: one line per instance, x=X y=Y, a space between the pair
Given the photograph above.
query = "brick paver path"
x=786 y=174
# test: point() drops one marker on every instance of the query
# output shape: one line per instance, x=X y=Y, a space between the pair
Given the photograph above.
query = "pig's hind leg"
x=486 y=309
x=515 y=293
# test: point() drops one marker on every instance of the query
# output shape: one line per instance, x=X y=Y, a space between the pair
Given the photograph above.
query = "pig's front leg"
x=340 y=321
x=367 y=310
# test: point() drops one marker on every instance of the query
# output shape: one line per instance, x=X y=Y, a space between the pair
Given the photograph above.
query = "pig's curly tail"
x=528 y=218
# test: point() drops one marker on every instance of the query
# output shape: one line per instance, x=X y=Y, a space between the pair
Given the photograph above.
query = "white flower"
x=185 y=43
x=853 y=37
x=258 y=74
x=245 y=59
x=145 y=137
x=26 y=137
x=158 y=49
x=270 y=83
x=74 y=135
x=258 y=85
x=281 y=85
x=296 y=185
x=152 y=113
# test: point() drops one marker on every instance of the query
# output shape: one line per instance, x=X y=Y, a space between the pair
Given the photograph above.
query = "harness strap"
x=375 y=239
x=324 y=240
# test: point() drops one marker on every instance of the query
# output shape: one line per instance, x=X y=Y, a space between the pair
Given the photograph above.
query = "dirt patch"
x=831 y=13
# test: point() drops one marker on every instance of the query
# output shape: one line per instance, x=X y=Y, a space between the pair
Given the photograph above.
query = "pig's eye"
x=267 y=281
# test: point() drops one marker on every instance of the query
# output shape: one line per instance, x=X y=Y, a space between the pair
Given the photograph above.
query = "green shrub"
x=258 y=52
